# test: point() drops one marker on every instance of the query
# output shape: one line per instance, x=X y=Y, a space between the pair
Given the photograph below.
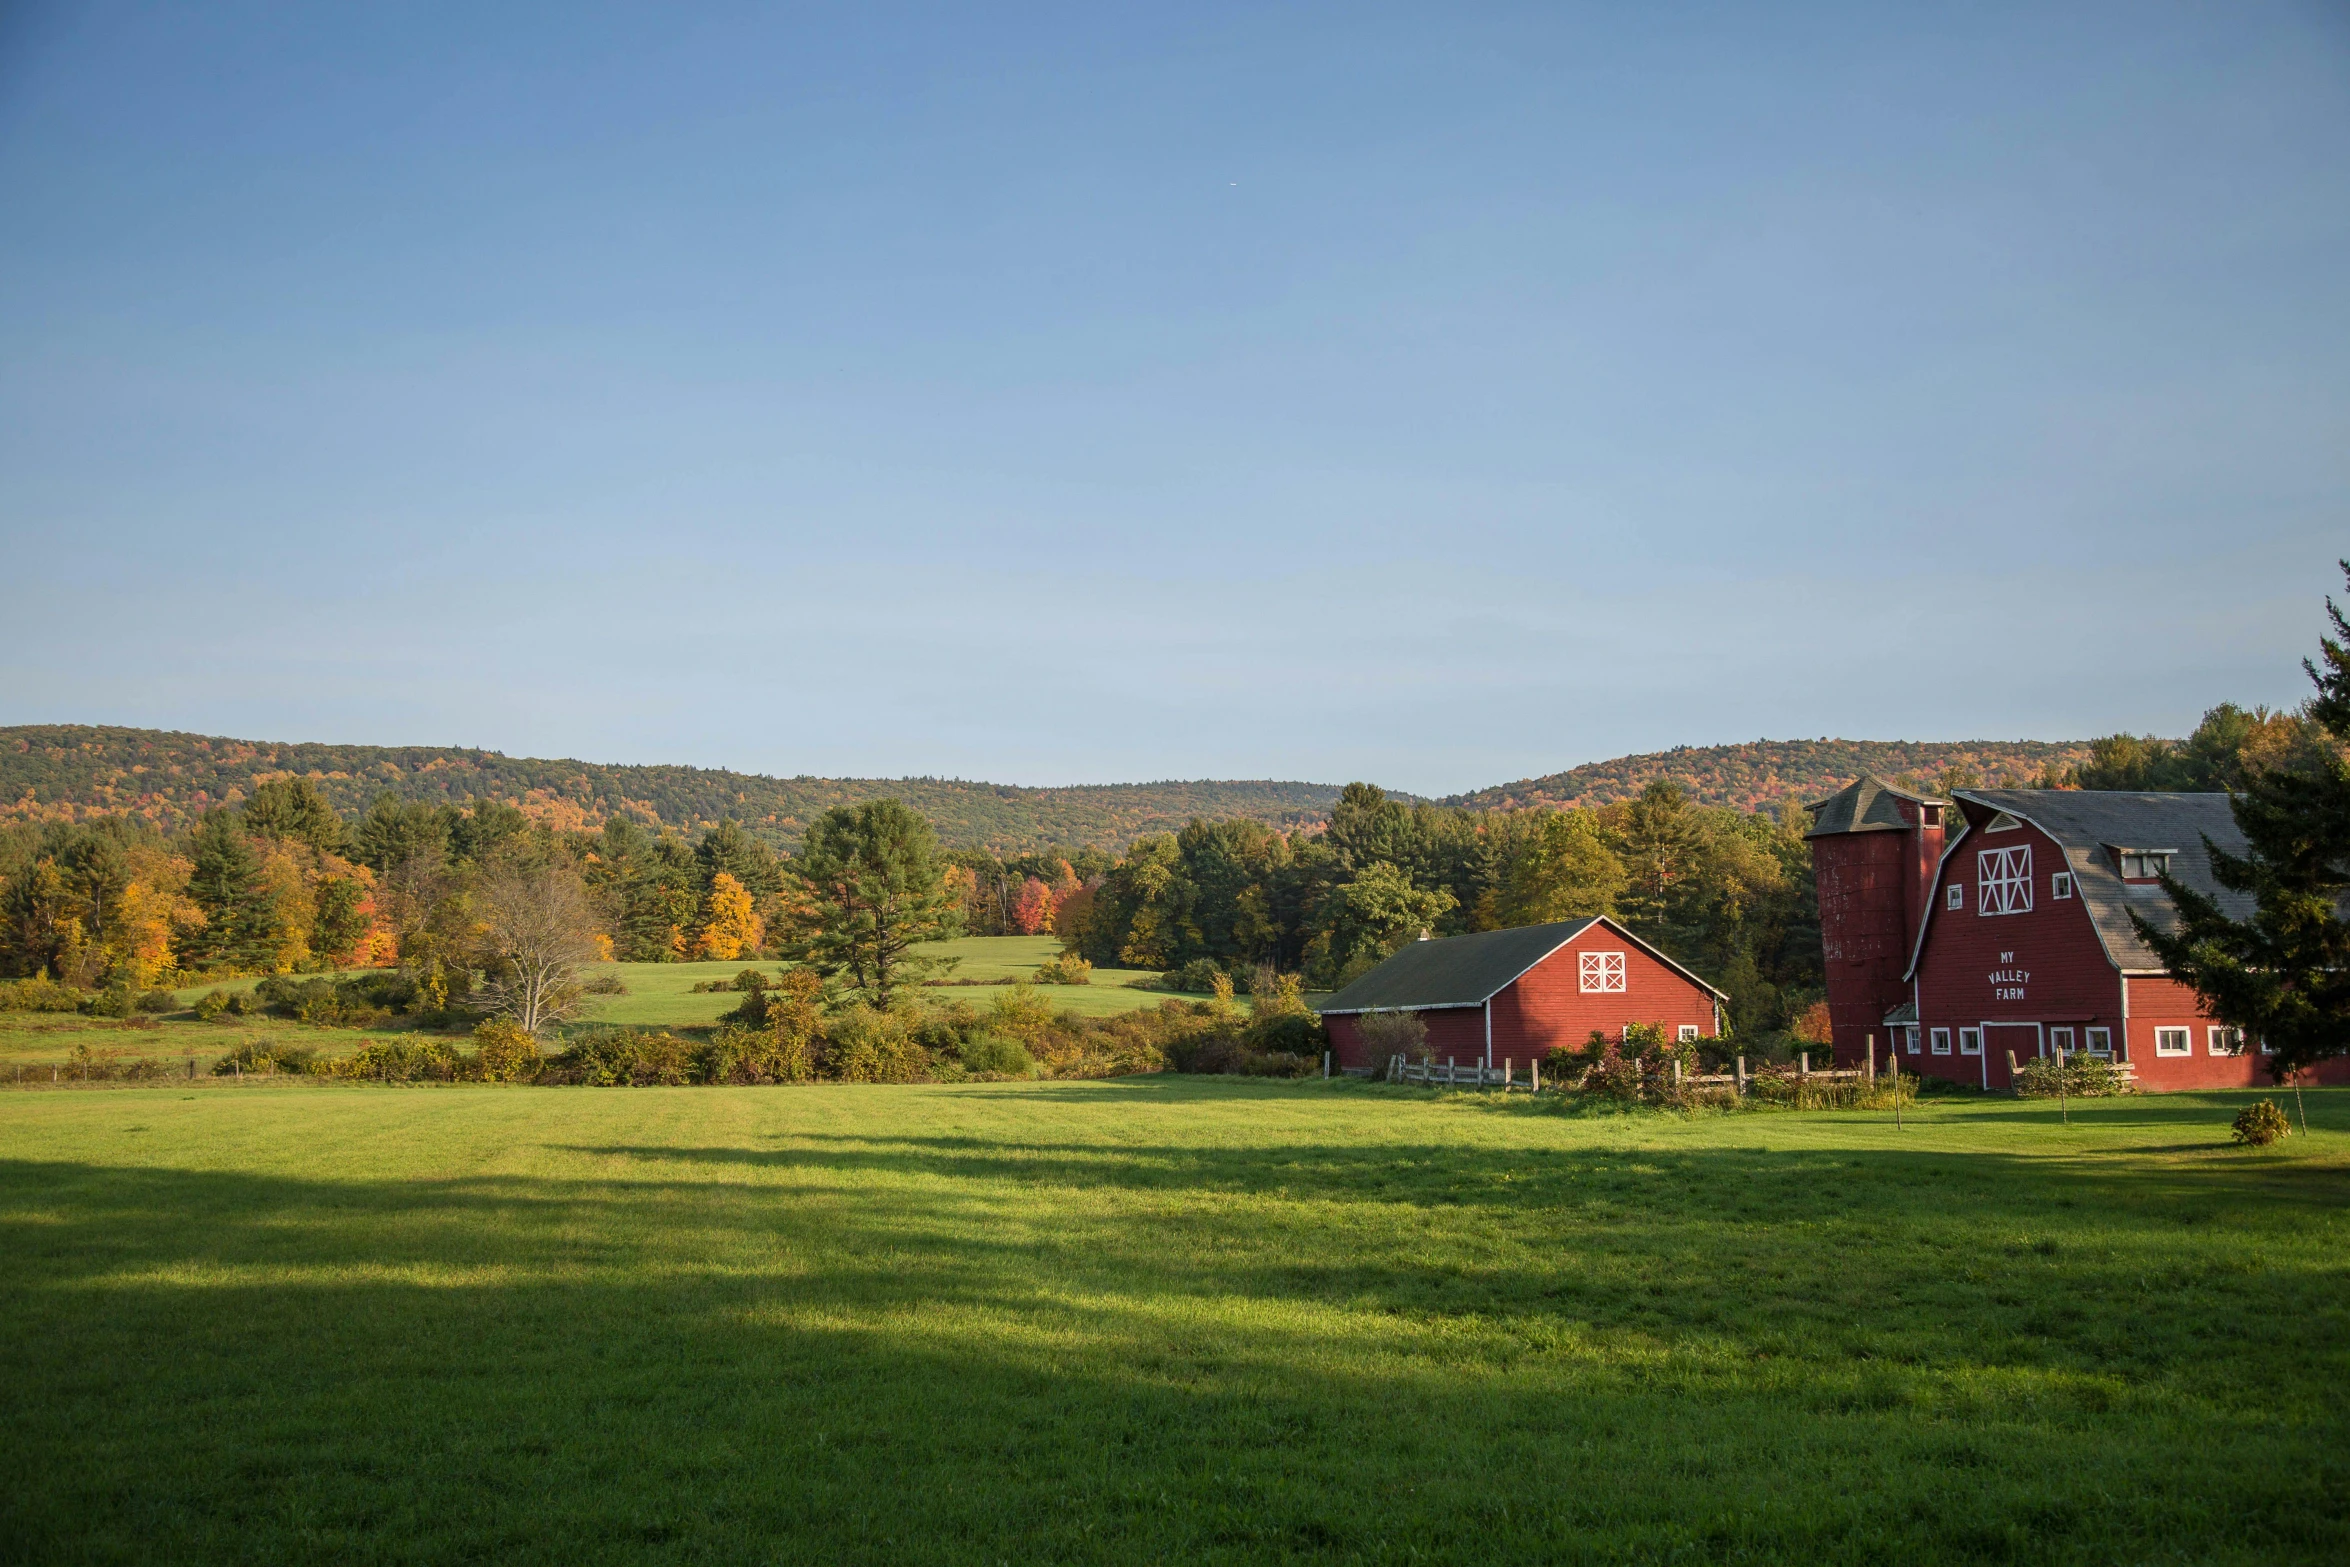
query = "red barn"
x=2019 y=941
x=1514 y=995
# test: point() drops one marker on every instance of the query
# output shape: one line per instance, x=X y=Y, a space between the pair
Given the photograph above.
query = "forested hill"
x=1766 y=772
x=73 y=770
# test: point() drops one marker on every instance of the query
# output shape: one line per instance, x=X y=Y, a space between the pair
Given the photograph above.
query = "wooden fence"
x=1451 y=1073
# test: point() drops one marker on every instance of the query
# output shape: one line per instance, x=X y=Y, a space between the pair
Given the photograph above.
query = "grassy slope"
x=1198 y=1320
x=660 y=996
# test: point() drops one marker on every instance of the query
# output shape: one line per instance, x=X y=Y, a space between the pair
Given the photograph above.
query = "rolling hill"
x=1767 y=772
x=72 y=770
x=66 y=771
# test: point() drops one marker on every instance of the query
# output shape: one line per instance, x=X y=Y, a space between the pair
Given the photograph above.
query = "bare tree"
x=1390 y=1034
x=538 y=927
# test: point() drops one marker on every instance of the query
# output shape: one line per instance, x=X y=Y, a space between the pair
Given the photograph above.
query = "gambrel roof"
x=1468 y=971
x=2090 y=825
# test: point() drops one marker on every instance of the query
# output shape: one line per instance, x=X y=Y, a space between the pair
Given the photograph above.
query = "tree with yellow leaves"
x=731 y=927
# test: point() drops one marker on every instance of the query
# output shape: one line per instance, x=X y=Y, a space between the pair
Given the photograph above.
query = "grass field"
x=1162 y=1319
x=660 y=995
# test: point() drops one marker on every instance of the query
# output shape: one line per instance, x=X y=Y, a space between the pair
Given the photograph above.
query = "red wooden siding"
x=2042 y=967
x=1455 y=1032
x=1547 y=1006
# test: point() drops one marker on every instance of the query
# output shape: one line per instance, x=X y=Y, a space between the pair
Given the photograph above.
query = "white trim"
x=2090 y=1036
x=2060 y=886
x=2186 y=1037
x=1977 y=1031
x=2003 y=880
x=1601 y=972
x=2056 y=1046
x=1954 y=897
x=1489 y=1029
x=1940 y=1040
x=1685 y=1034
x=2215 y=1033
x=2095 y=928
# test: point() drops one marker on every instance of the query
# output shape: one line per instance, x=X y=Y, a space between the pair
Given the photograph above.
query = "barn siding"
x=1546 y=1007
x=1458 y=1032
x=1865 y=931
x=1973 y=962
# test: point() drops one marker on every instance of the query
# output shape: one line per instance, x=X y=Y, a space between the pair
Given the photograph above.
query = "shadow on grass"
x=947 y=1348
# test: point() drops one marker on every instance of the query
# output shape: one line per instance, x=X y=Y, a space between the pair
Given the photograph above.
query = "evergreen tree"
x=293 y=809
x=241 y=927
x=876 y=878
x=2282 y=976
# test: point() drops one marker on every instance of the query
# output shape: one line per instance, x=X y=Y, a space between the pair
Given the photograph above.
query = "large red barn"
x=2013 y=937
x=1514 y=995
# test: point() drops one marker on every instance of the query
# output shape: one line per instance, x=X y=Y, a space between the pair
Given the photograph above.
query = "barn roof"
x=2091 y=823
x=1864 y=805
x=1467 y=971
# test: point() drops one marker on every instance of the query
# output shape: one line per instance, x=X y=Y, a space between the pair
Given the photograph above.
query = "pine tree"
x=240 y=920
x=875 y=877
x=2282 y=976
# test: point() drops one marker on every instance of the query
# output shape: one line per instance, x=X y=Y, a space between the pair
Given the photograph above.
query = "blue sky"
x=1435 y=395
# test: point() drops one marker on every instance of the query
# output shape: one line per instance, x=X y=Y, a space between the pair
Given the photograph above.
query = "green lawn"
x=1161 y=1320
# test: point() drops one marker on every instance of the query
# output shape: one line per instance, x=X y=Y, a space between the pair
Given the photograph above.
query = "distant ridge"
x=1766 y=772
x=65 y=771
x=68 y=771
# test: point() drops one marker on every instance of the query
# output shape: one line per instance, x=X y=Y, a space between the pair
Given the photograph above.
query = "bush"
x=85 y=1065
x=623 y=1058
x=211 y=1005
x=603 y=985
x=749 y=982
x=2081 y=1077
x=326 y=1003
x=159 y=1002
x=995 y=1055
x=505 y=1052
x=867 y=1046
x=39 y=995
x=260 y=1055
x=1067 y=969
x=1297 y=1034
x=1387 y=1035
x=113 y=1001
x=397 y=1061
x=2261 y=1123
x=736 y=1054
x=1199 y=977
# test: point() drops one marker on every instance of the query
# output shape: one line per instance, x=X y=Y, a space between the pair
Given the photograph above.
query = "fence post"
x=1325 y=1066
x=1509 y=1069
x=1803 y=1063
x=191 y=1066
x=1893 y=1065
x=1872 y=1070
x=1536 y=1069
x=1742 y=1076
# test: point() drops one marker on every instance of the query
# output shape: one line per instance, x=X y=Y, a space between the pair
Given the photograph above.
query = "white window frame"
x=1600 y=973
x=2060 y=885
x=2003 y=880
x=1909 y=1039
x=2267 y=1049
x=2097 y=1041
x=1970 y=1041
x=1686 y=1034
x=1954 y=896
x=2060 y=1040
x=1941 y=1041
x=2223 y=1041
x=2145 y=864
x=2174 y=1041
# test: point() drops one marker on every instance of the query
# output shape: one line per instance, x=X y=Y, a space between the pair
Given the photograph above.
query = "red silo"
x=1874 y=852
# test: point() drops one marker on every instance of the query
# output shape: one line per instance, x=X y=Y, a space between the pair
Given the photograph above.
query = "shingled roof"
x=1467 y=971
x=1864 y=805
x=2091 y=823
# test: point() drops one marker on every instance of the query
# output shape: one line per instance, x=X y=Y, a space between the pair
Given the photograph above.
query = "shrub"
x=85 y=1065
x=261 y=1055
x=605 y=985
x=1198 y=977
x=158 y=1002
x=1020 y=1012
x=995 y=1055
x=211 y=1005
x=2261 y=1123
x=736 y=1054
x=397 y=1061
x=113 y=1001
x=1067 y=969
x=868 y=1046
x=624 y=1058
x=1297 y=1034
x=1387 y=1035
x=41 y=994
x=506 y=1052
x=2081 y=1077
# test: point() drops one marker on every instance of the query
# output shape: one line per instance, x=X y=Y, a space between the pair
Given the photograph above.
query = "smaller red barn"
x=1514 y=995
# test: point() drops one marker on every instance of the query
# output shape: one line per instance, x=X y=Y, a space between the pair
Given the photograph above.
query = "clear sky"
x=1437 y=395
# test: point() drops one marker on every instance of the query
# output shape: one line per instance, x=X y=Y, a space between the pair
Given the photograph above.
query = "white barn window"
x=2100 y=1041
x=1970 y=1041
x=1954 y=896
x=2003 y=880
x=1909 y=1039
x=2173 y=1042
x=1600 y=971
x=1941 y=1041
x=1688 y=1033
x=2060 y=885
x=2225 y=1041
